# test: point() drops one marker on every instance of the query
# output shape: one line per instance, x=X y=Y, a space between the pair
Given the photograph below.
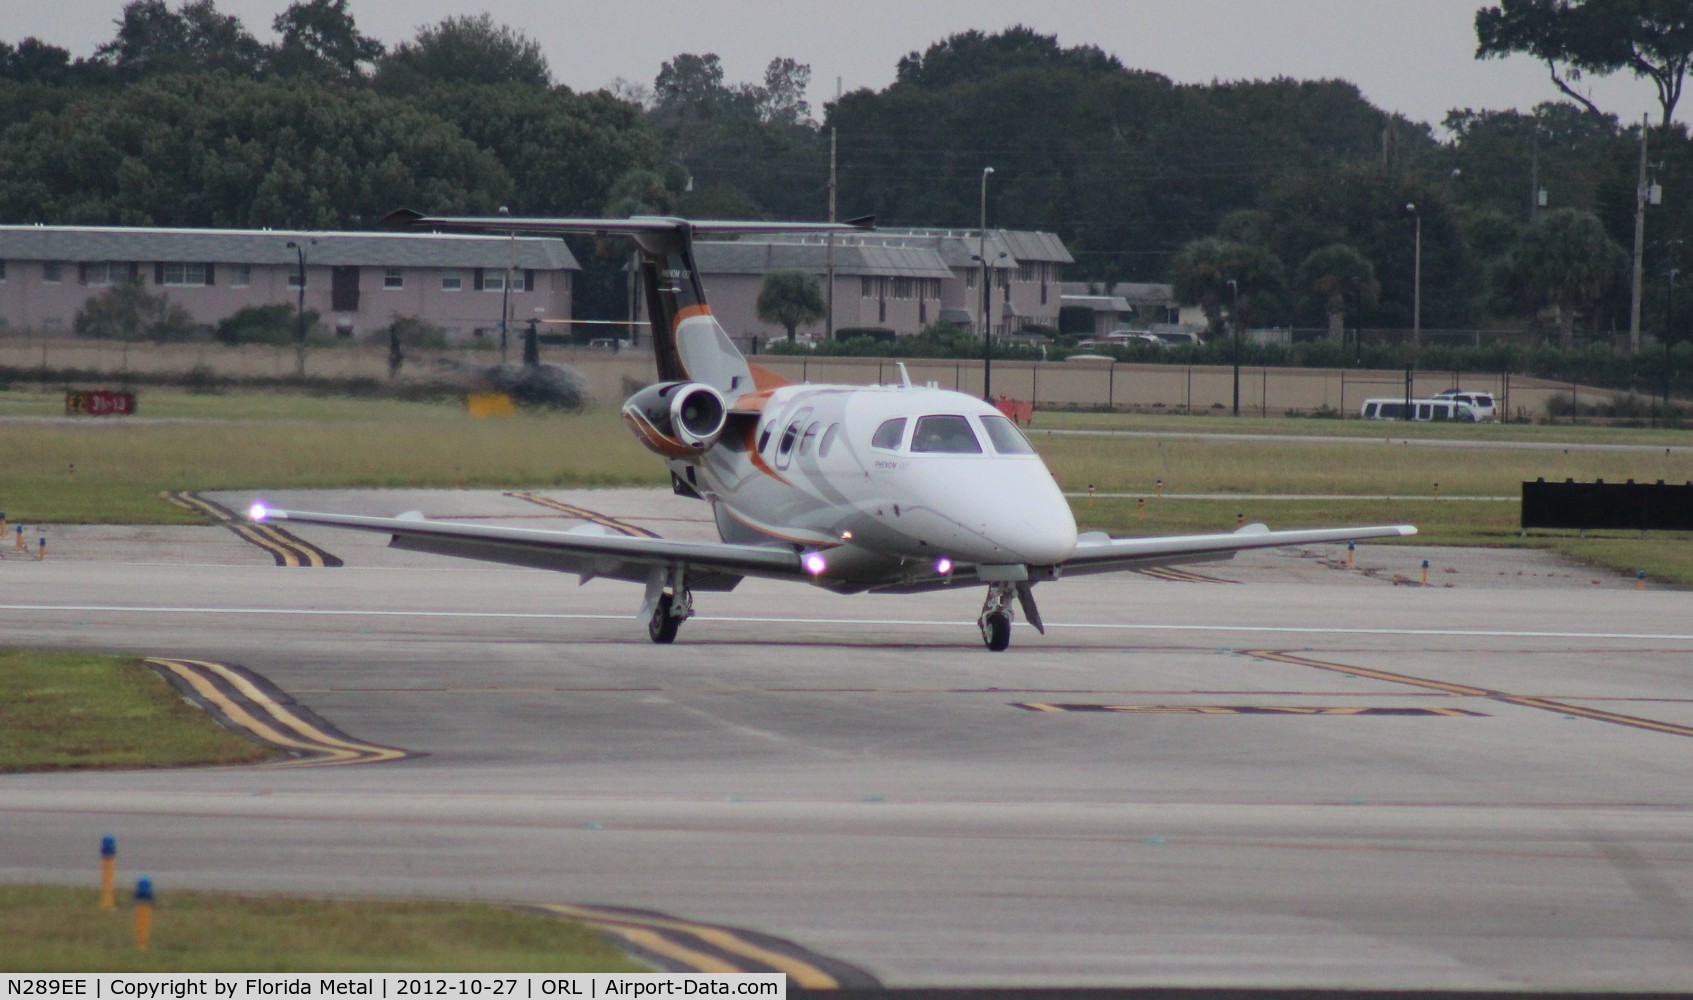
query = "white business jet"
x=890 y=489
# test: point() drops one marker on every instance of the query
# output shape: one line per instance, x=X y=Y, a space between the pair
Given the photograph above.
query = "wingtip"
x=401 y=218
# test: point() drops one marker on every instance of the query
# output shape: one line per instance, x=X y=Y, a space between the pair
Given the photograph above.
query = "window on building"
x=52 y=272
x=183 y=273
x=393 y=277
x=243 y=276
x=452 y=281
x=2 y=270
x=494 y=281
x=296 y=277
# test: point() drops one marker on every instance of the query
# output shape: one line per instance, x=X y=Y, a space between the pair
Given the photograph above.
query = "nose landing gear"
x=997 y=615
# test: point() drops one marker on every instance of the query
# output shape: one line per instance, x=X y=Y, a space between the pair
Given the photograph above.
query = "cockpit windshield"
x=1006 y=438
x=945 y=433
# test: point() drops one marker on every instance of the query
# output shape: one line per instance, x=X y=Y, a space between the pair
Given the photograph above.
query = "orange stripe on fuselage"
x=749 y=438
x=691 y=311
x=763 y=379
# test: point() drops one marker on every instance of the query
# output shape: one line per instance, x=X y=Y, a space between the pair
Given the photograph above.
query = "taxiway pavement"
x=1306 y=776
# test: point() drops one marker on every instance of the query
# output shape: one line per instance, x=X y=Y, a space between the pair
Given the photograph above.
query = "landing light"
x=814 y=563
x=943 y=565
x=258 y=512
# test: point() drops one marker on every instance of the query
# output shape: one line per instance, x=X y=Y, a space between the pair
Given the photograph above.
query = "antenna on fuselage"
x=904 y=376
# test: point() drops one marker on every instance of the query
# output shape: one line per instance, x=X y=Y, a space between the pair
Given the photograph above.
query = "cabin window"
x=945 y=434
x=889 y=435
x=1006 y=438
x=828 y=441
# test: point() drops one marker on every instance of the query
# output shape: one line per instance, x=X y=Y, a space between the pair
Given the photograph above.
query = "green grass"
x=83 y=710
x=1177 y=423
x=64 y=930
x=256 y=440
x=113 y=470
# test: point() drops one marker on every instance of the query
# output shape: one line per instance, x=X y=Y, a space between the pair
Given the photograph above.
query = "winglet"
x=400 y=218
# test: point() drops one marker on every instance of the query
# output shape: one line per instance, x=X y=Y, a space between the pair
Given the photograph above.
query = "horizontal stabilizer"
x=407 y=219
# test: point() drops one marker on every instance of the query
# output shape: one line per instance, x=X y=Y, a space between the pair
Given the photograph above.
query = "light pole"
x=1417 y=284
x=1669 y=331
x=505 y=289
x=299 y=248
x=987 y=321
x=1234 y=317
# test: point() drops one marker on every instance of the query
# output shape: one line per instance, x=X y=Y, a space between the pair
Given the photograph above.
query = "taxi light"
x=258 y=512
x=943 y=566
x=814 y=563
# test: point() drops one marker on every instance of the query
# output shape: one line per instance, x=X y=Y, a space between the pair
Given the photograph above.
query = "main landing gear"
x=997 y=615
x=670 y=603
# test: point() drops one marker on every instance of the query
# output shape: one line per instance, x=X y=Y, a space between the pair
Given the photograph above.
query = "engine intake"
x=677 y=419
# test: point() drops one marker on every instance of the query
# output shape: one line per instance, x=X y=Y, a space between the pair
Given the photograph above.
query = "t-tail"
x=689 y=345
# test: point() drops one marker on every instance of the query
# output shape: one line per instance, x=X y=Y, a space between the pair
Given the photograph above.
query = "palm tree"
x=1336 y=273
x=789 y=298
x=1566 y=262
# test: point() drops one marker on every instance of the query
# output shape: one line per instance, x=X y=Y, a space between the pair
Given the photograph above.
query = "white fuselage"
x=955 y=483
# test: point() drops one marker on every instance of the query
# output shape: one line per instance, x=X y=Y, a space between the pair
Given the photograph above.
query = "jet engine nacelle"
x=677 y=419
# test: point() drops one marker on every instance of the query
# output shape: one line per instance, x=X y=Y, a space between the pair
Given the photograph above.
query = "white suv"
x=1481 y=402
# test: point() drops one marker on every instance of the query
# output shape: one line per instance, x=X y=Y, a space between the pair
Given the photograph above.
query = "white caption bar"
x=227 y=986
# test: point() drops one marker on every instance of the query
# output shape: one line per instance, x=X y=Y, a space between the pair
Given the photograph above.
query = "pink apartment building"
x=358 y=282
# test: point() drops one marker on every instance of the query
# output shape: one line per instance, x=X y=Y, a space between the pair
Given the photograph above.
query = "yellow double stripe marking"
x=1180 y=575
x=1245 y=709
x=1465 y=690
x=247 y=705
x=697 y=947
x=288 y=549
x=621 y=527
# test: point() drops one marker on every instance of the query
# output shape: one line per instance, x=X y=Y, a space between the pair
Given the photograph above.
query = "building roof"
x=74 y=244
x=760 y=257
x=1098 y=303
x=958 y=248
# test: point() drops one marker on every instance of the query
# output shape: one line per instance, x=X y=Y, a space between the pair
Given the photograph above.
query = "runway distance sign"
x=99 y=403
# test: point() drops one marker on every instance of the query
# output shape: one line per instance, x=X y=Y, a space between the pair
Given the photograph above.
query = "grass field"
x=63 y=711
x=64 y=930
x=276 y=440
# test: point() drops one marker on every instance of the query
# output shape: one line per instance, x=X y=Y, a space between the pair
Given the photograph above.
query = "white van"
x=1481 y=402
x=1420 y=409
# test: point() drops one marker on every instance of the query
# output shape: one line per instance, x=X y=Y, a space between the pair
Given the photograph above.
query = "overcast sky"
x=1415 y=57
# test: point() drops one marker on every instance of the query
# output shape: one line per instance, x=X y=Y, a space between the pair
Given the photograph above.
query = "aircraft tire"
x=662 y=625
x=997 y=632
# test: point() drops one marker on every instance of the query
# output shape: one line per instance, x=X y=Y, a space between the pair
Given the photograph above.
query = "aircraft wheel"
x=996 y=632
x=662 y=625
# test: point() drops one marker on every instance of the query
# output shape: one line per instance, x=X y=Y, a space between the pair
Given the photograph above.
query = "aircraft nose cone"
x=1042 y=534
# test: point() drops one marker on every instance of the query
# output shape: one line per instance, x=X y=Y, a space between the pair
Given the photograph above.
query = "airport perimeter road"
x=1310 y=778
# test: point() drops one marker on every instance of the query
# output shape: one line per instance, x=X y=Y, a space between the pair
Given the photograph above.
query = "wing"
x=587 y=551
x=1098 y=553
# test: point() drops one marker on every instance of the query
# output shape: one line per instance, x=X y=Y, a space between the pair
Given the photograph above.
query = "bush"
x=414 y=331
x=127 y=312
x=273 y=324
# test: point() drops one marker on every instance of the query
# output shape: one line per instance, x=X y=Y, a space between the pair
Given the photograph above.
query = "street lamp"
x=1669 y=331
x=987 y=321
x=505 y=289
x=1417 y=285
x=1234 y=316
x=299 y=248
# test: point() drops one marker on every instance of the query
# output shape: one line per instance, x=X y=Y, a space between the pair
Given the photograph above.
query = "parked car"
x=1419 y=409
x=1481 y=402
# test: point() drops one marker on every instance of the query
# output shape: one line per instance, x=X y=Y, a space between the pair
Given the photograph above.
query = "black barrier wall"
x=1628 y=506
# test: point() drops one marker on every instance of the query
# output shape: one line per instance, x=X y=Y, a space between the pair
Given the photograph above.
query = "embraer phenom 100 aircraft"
x=890 y=489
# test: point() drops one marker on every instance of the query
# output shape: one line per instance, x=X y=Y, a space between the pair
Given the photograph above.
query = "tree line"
x=1275 y=203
